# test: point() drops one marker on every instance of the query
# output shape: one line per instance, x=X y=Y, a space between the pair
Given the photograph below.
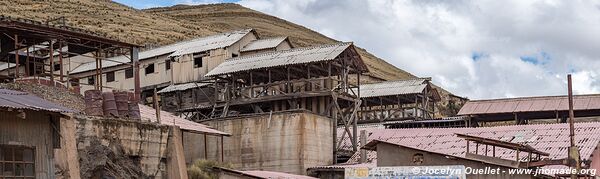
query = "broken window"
x=129 y=73
x=197 y=61
x=91 y=80
x=168 y=65
x=149 y=69
x=110 y=76
x=17 y=162
x=233 y=55
x=57 y=67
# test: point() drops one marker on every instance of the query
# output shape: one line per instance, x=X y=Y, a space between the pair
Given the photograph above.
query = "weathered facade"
x=160 y=67
x=30 y=135
x=289 y=141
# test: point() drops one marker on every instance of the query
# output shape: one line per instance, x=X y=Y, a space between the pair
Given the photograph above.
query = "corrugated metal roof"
x=181 y=87
x=530 y=104
x=4 y=65
x=550 y=138
x=185 y=47
x=280 y=58
x=23 y=100
x=388 y=88
x=263 y=44
x=211 y=42
x=149 y=114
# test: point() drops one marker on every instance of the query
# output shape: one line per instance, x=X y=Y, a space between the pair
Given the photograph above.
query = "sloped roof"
x=181 y=87
x=22 y=100
x=530 y=104
x=281 y=58
x=264 y=44
x=549 y=138
x=149 y=114
x=180 y=48
x=4 y=65
x=389 y=88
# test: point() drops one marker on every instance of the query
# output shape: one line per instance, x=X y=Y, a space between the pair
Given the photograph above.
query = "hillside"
x=159 y=26
x=226 y=17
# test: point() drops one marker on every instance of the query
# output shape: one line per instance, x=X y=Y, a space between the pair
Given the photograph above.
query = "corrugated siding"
x=530 y=104
x=388 y=88
x=280 y=58
x=263 y=44
x=35 y=131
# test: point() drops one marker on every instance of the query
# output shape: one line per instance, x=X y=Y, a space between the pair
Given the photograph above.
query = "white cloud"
x=439 y=39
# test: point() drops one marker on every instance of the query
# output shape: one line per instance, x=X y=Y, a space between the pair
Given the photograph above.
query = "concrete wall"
x=35 y=131
x=146 y=141
x=389 y=155
x=287 y=142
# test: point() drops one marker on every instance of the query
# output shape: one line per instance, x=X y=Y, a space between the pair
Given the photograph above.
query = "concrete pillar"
x=66 y=158
x=176 y=167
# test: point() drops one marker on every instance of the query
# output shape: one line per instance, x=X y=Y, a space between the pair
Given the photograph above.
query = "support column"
x=136 y=73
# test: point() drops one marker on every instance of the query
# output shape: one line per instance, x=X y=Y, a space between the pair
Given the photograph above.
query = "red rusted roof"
x=530 y=104
x=550 y=138
x=22 y=100
x=166 y=118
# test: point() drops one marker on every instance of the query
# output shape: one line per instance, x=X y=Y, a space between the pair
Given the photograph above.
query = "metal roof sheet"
x=550 y=138
x=180 y=48
x=4 y=65
x=181 y=87
x=388 y=88
x=280 y=58
x=263 y=44
x=23 y=100
x=530 y=104
x=149 y=114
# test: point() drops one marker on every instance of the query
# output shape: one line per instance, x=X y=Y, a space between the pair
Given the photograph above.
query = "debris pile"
x=99 y=161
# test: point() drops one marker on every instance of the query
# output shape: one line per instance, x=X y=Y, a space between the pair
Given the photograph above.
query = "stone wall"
x=290 y=141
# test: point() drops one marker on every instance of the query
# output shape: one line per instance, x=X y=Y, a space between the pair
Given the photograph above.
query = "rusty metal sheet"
x=594 y=103
x=538 y=105
x=496 y=108
x=149 y=114
x=482 y=107
x=549 y=138
x=551 y=104
x=523 y=105
x=580 y=103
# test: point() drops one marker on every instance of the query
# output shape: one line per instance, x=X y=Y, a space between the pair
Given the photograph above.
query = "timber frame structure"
x=402 y=100
x=315 y=79
x=45 y=49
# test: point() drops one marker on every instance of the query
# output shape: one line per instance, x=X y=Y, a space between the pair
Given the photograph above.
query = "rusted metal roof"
x=181 y=87
x=264 y=44
x=530 y=104
x=280 y=58
x=177 y=49
x=550 y=138
x=389 y=88
x=22 y=100
x=166 y=118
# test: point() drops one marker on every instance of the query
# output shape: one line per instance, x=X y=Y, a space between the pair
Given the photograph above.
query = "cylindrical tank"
x=109 y=105
x=93 y=102
x=134 y=109
x=122 y=100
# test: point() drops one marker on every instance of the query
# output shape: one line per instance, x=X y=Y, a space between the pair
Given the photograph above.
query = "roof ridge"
x=288 y=50
x=532 y=97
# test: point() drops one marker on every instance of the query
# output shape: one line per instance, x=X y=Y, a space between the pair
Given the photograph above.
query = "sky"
x=476 y=49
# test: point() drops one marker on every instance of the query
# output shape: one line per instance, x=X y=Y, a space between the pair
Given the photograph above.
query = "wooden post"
x=156 y=106
x=51 y=55
x=363 y=142
x=222 y=150
x=60 y=60
x=16 y=57
x=27 y=63
x=205 y=147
